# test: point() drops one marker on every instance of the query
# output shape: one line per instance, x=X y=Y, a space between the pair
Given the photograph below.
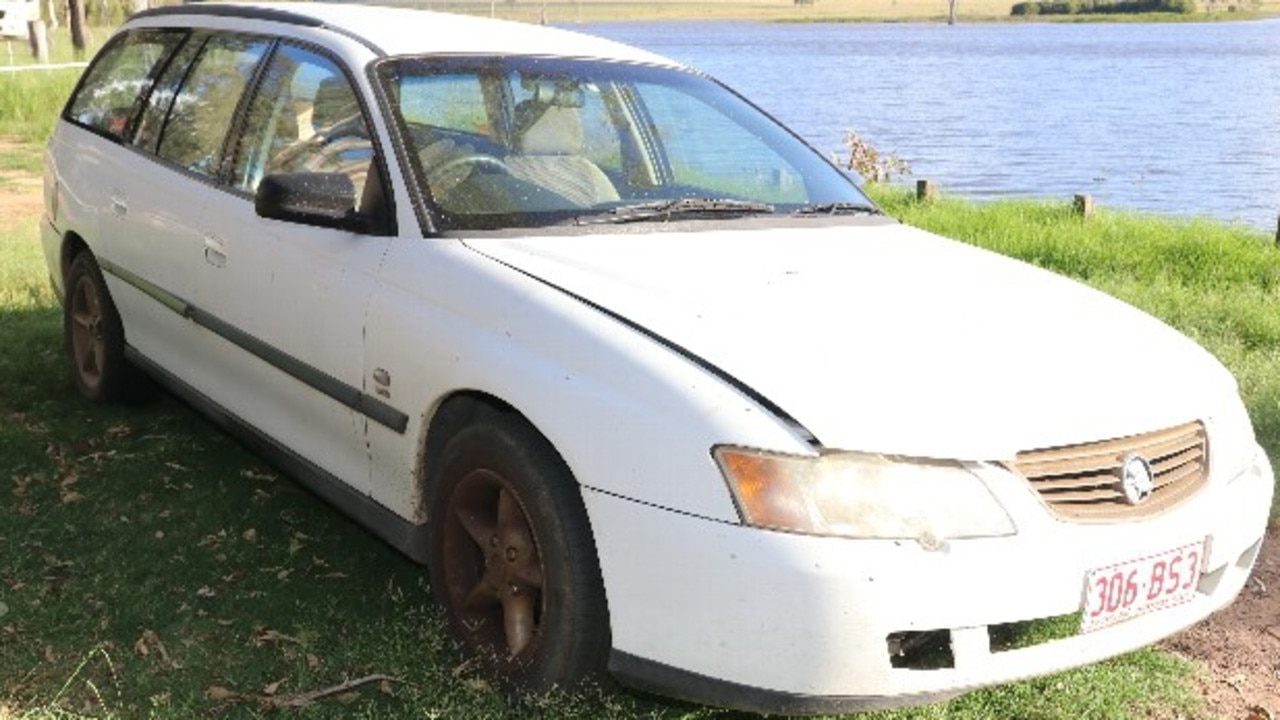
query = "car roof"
x=401 y=31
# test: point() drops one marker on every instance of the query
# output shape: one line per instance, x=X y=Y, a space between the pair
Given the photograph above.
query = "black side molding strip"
x=401 y=534
x=663 y=679
x=353 y=397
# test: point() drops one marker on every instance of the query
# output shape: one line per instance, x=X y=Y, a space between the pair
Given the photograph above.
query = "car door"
x=100 y=174
x=289 y=300
x=168 y=191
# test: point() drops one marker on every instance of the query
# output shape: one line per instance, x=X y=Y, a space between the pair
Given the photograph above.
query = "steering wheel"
x=449 y=167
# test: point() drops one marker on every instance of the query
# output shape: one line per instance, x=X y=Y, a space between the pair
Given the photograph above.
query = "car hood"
x=882 y=338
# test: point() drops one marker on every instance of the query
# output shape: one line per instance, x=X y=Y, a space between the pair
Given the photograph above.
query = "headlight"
x=860 y=495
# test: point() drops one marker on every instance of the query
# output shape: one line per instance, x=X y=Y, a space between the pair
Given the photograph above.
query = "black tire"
x=512 y=560
x=94 y=335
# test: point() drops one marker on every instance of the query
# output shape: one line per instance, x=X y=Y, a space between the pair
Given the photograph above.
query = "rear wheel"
x=512 y=559
x=94 y=335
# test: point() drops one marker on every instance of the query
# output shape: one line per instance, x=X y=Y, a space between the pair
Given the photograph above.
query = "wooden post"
x=51 y=11
x=926 y=191
x=1278 y=233
x=1084 y=206
x=39 y=40
x=76 y=21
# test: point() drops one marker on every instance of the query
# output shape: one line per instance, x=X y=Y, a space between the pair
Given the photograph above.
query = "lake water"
x=1171 y=118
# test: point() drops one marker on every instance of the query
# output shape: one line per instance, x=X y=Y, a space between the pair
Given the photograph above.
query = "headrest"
x=548 y=129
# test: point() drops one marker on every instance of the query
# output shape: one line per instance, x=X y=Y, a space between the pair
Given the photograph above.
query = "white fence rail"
x=55 y=66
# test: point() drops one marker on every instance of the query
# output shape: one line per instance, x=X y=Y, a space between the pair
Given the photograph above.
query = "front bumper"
x=776 y=622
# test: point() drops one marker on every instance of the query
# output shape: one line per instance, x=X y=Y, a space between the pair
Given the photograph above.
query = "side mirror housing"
x=319 y=199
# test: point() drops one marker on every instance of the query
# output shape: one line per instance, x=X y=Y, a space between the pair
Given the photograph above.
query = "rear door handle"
x=215 y=251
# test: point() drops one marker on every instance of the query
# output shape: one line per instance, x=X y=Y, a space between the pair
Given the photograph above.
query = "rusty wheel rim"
x=88 y=348
x=493 y=568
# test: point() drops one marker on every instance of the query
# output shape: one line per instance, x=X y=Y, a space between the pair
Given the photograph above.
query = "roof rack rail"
x=238 y=11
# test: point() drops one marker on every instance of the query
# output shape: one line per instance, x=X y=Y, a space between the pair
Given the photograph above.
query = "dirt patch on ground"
x=19 y=196
x=1240 y=646
x=20 y=199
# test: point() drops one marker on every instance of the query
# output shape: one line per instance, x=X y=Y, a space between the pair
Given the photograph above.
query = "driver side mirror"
x=319 y=199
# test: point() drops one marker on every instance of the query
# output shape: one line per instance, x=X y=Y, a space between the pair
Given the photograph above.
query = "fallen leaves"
x=71 y=496
x=217 y=692
x=118 y=431
x=150 y=644
x=255 y=475
x=262 y=636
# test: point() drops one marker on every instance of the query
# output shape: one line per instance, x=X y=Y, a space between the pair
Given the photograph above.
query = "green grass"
x=29 y=101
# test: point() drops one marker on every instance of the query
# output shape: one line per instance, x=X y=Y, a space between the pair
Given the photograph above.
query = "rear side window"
x=119 y=80
x=151 y=122
x=206 y=104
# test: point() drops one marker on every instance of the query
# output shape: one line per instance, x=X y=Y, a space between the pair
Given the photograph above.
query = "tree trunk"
x=951 y=14
x=39 y=38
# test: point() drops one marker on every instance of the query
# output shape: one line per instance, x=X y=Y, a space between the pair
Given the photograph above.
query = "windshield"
x=521 y=142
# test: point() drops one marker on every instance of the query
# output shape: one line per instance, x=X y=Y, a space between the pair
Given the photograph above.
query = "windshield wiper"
x=682 y=208
x=838 y=208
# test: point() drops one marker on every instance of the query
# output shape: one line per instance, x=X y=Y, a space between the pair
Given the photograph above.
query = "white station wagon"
x=650 y=387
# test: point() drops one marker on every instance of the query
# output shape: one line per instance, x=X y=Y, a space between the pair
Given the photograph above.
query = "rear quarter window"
x=119 y=79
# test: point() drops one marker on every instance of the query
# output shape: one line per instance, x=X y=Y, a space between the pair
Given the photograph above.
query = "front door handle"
x=215 y=251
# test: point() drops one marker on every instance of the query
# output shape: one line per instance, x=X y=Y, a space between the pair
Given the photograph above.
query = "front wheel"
x=512 y=558
x=94 y=334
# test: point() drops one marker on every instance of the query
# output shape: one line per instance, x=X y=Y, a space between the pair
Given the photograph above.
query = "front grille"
x=1082 y=482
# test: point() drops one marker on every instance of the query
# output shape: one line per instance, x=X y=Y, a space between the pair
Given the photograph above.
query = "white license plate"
x=1125 y=590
